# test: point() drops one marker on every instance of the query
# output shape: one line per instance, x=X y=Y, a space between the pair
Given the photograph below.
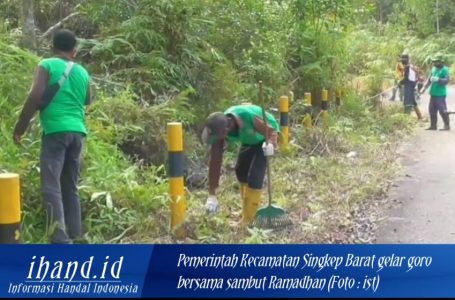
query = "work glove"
x=434 y=79
x=268 y=149
x=212 y=204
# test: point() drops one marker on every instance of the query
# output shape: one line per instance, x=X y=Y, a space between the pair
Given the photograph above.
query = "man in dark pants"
x=244 y=124
x=438 y=92
x=63 y=124
x=410 y=78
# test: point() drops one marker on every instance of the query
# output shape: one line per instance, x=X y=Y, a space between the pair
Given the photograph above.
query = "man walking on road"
x=438 y=92
x=62 y=116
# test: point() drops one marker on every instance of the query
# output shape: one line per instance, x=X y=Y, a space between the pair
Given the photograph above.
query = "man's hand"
x=17 y=139
x=268 y=149
x=212 y=204
x=273 y=139
x=260 y=127
x=31 y=105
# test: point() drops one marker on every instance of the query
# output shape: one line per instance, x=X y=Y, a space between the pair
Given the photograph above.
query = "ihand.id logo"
x=46 y=277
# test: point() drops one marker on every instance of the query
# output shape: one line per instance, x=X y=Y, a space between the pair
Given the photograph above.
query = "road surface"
x=422 y=204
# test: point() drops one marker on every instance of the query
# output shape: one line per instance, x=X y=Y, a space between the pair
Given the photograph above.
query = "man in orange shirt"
x=399 y=75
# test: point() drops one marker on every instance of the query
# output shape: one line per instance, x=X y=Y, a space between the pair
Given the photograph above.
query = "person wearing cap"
x=409 y=81
x=438 y=81
x=244 y=124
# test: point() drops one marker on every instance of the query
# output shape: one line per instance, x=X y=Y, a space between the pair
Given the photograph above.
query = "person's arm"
x=216 y=160
x=427 y=84
x=444 y=80
x=32 y=103
x=89 y=96
x=260 y=127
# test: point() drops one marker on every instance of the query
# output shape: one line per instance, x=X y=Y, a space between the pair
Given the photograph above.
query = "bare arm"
x=32 y=103
x=216 y=159
x=260 y=127
x=89 y=97
x=445 y=80
x=427 y=84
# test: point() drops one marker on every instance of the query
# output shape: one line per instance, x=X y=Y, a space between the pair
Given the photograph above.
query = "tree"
x=28 y=24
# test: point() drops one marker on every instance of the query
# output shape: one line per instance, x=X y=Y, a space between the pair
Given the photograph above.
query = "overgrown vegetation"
x=155 y=61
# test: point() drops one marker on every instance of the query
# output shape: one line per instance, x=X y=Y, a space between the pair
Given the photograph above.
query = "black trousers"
x=438 y=103
x=409 y=96
x=251 y=166
x=60 y=161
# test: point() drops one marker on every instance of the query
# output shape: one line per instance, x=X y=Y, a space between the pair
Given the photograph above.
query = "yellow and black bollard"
x=284 y=122
x=338 y=97
x=325 y=107
x=307 y=121
x=10 y=209
x=176 y=181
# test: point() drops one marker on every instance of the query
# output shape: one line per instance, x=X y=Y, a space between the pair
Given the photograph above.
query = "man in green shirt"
x=62 y=116
x=241 y=123
x=438 y=80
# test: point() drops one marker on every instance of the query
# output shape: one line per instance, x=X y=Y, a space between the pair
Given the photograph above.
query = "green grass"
x=317 y=184
x=127 y=202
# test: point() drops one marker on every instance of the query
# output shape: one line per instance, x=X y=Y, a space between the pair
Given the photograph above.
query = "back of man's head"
x=217 y=122
x=405 y=58
x=64 y=40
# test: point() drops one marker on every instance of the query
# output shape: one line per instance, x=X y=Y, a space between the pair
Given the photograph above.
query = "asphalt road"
x=422 y=203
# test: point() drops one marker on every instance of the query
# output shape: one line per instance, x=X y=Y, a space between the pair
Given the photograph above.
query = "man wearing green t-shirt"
x=438 y=80
x=62 y=117
x=241 y=123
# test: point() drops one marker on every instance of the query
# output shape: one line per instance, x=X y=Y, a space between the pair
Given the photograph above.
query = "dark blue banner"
x=73 y=270
x=234 y=271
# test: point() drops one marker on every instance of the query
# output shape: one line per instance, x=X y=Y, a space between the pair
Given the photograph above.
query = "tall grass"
x=124 y=199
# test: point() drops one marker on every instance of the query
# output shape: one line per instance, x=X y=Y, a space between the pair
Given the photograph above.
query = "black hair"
x=64 y=40
x=217 y=123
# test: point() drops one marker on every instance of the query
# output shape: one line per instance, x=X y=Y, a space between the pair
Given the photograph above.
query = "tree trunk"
x=28 y=24
x=381 y=12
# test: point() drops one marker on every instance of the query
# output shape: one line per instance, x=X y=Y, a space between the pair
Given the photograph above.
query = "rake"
x=271 y=216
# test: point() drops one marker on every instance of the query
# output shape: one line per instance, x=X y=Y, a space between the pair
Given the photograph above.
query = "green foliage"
x=212 y=46
x=319 y=54
x=419 y=17
x=139 y=130
x=422 y=51
x=23 y=63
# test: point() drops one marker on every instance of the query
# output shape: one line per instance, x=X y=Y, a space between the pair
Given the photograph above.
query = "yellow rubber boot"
x=250 y=205
x=243 y=187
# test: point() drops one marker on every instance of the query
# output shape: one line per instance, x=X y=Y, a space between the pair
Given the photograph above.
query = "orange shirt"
x=399 y=71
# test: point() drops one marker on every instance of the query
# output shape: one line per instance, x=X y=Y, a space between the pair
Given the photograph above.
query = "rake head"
x=271 y=217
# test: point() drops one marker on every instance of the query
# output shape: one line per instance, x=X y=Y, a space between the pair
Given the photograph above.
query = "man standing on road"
x=438 y=80
x=62 y=117
x=409 y=82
